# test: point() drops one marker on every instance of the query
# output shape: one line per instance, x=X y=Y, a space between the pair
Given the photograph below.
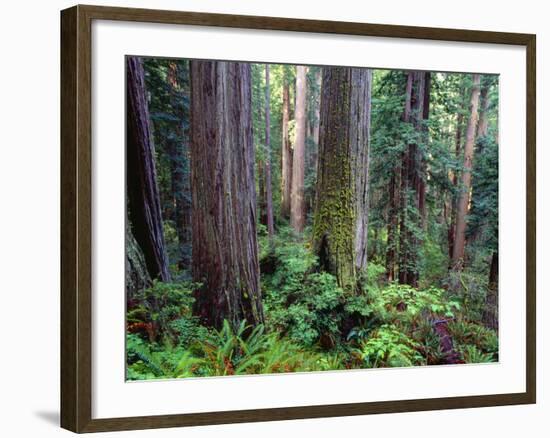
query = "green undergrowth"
x=311 y=324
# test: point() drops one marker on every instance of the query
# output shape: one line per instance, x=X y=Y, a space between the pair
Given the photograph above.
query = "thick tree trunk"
x=225 y=248
x=268 y=187
x=490 y=313
x=286 y=153
x=137 y=276
x=297 y=207
x=142 y=190
x=466 y=184
x=341 y=211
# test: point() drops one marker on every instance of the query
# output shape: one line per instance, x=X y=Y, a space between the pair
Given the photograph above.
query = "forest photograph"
x=296 y=218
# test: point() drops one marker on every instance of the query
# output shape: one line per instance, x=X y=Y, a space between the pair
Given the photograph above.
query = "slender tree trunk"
x=297 y=207
x=454 y=181
x=464 y=197
x=225 y=248
x=392 y=221
x=178 y=148
x=421 y=185
x=490 y=312
x=143 y=194
x=316 y=126
x=262 y=200
x=286 y=153
x=412 y=187
x=341 y=213
x=483 y=125
x=268 y=188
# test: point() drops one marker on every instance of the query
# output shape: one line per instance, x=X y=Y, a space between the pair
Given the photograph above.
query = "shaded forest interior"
x=289 y=218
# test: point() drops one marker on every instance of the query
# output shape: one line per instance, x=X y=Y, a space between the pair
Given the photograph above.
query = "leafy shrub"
x=400 y=302
x=389 y=347
x=468 y=333
x=159 y=306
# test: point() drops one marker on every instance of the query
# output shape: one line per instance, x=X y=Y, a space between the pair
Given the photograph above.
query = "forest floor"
x=311 y=324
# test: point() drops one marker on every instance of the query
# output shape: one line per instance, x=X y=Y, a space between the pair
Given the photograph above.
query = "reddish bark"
x=466 y=183
x=286 y=155
x=142 y=190
x=225 y=249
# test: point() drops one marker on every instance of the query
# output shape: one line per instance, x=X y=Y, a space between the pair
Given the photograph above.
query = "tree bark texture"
x=466 y=184
x=490 y=313
x=297 y=207
x=137 y=276
x=268 y=187
x=286 y=153
x=412 y=180
x=142 y=190
x=341 y=212
x=225 y=249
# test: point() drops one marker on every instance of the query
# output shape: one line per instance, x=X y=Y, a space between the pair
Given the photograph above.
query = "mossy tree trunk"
x=225 y=248
x=341 y=210
x=142 y=190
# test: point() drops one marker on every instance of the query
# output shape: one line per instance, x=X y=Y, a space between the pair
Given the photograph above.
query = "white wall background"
x=29 y=221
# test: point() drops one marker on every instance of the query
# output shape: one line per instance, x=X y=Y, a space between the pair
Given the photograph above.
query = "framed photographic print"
x=269 y=218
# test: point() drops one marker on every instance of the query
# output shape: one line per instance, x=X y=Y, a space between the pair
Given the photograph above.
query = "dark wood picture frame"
x=76 y=218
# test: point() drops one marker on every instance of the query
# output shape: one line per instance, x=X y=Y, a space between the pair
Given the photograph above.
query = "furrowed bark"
x=341 y=212
x=286 y=153
x=466 y=183
x=225 y=249
x=142 y=190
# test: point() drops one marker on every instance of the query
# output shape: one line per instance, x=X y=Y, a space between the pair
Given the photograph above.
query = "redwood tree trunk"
x=297 y=206
x=466 y=183
x=225 y=248
x=412 y=187
x=454 y=181
x=268 y=188
x=286 y=155
x=341 y=210
x=142 y=190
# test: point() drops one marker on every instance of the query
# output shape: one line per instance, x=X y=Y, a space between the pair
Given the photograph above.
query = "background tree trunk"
x=286 y=153
x=464 y=197
x=143 y=194
x=268 y=188
x=341 y=212
x=412 y=188
x=490 y=313
x=178 y=148
x=297 y=207
x=225 y=248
